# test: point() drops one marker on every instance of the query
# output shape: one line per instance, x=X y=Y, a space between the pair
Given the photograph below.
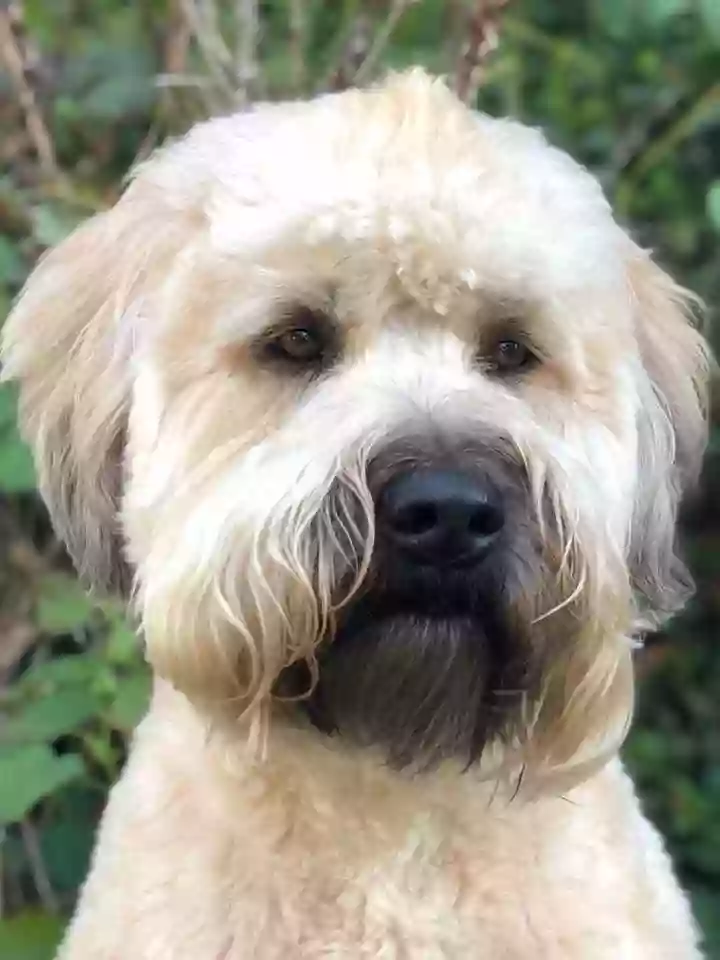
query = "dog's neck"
x=318 y=772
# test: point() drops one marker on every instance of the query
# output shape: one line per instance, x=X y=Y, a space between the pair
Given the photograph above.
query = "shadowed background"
x=630 y=87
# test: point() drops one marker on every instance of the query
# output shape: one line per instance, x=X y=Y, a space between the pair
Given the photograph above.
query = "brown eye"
x=300 y=344
x=511 y=356
x=306 y=340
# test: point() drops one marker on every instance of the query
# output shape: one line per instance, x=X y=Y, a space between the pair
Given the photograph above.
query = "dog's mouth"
x=425 y=671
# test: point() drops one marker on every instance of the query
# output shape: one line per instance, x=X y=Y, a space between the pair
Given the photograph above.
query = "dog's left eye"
x=511 y=356
x=306 y=340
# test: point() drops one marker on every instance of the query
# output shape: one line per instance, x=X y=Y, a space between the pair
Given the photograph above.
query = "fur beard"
x=422 y=686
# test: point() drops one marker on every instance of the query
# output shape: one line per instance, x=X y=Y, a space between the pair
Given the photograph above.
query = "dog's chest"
x=311 y=859
x=446 y=892
x=425 y=900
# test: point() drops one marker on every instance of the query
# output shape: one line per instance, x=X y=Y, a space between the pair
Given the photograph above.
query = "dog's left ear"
x=69 y=343
x=672 y=432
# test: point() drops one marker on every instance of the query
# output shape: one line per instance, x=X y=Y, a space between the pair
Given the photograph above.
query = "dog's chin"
x=421 y=687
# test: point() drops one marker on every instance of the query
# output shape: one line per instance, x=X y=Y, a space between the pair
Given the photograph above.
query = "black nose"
x=437 y=517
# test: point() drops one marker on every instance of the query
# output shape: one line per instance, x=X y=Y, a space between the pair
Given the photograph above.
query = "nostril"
x=416 y=518
x=485 y=521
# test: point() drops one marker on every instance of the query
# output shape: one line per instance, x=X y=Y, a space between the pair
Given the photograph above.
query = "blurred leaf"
x=616 y=16
x=67 y=843
x=122 y=644
x=62 y=671
x=120 y=96
x=52 y=222
x=8 y=405
x=29 y=774
x=110 y=82
x=51 y=716
x=12 y=266
x=710 y=12
x=713 y=203
x=657 y=12
x=706 y=905
x=17 y=473
x=30 y=936
x=63 y=604
x=131 y=702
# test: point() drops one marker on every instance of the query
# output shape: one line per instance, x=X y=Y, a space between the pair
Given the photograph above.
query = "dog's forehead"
x=448 y=196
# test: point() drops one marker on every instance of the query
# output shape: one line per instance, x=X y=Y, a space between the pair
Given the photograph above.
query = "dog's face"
x=382 y=412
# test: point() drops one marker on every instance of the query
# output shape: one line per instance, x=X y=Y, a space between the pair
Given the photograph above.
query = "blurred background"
x=630 y=87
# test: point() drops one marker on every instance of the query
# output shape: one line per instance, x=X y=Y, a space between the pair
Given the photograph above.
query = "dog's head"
x=378 y=409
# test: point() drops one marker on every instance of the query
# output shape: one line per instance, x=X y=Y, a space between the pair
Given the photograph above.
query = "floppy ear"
x=672 y=433
x=68 y=343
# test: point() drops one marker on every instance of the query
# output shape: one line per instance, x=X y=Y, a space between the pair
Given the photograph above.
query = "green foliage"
x=30 y=773
x=629 y=86
x=674 y=754
x=30 y=936
x=16 y=469
x=713 y=205
x=82 y=701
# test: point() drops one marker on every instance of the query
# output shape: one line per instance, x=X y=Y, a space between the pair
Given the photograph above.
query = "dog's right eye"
x=306 y=340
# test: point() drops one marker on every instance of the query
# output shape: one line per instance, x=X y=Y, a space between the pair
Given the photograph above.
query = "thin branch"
x=176 y=41
x=631 y=145
x=202 y=21
x=19 y=635
x=212 y=34
x=298 y=42
x=398 y=9
x=165 y=80
x=12 y=54
x=44 y=887
x=702 y=107
x=204 y=87
x=658 y=148
x=353 y=54
x=248 y=35
x=174 y=50
x=483 y=32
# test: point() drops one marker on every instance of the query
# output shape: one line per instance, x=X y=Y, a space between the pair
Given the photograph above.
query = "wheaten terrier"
x=382 y=422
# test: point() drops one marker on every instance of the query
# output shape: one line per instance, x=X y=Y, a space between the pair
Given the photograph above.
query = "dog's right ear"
x=68 y=343
x=672 y=432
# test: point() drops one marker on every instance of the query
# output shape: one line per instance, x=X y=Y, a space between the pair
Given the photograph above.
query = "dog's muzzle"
x=427 y=661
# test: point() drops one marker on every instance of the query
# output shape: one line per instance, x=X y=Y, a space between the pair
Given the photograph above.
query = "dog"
x=381 y=422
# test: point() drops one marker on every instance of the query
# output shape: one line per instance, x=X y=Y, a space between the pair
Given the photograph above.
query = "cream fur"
x=237 y=501
x=322 y=853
